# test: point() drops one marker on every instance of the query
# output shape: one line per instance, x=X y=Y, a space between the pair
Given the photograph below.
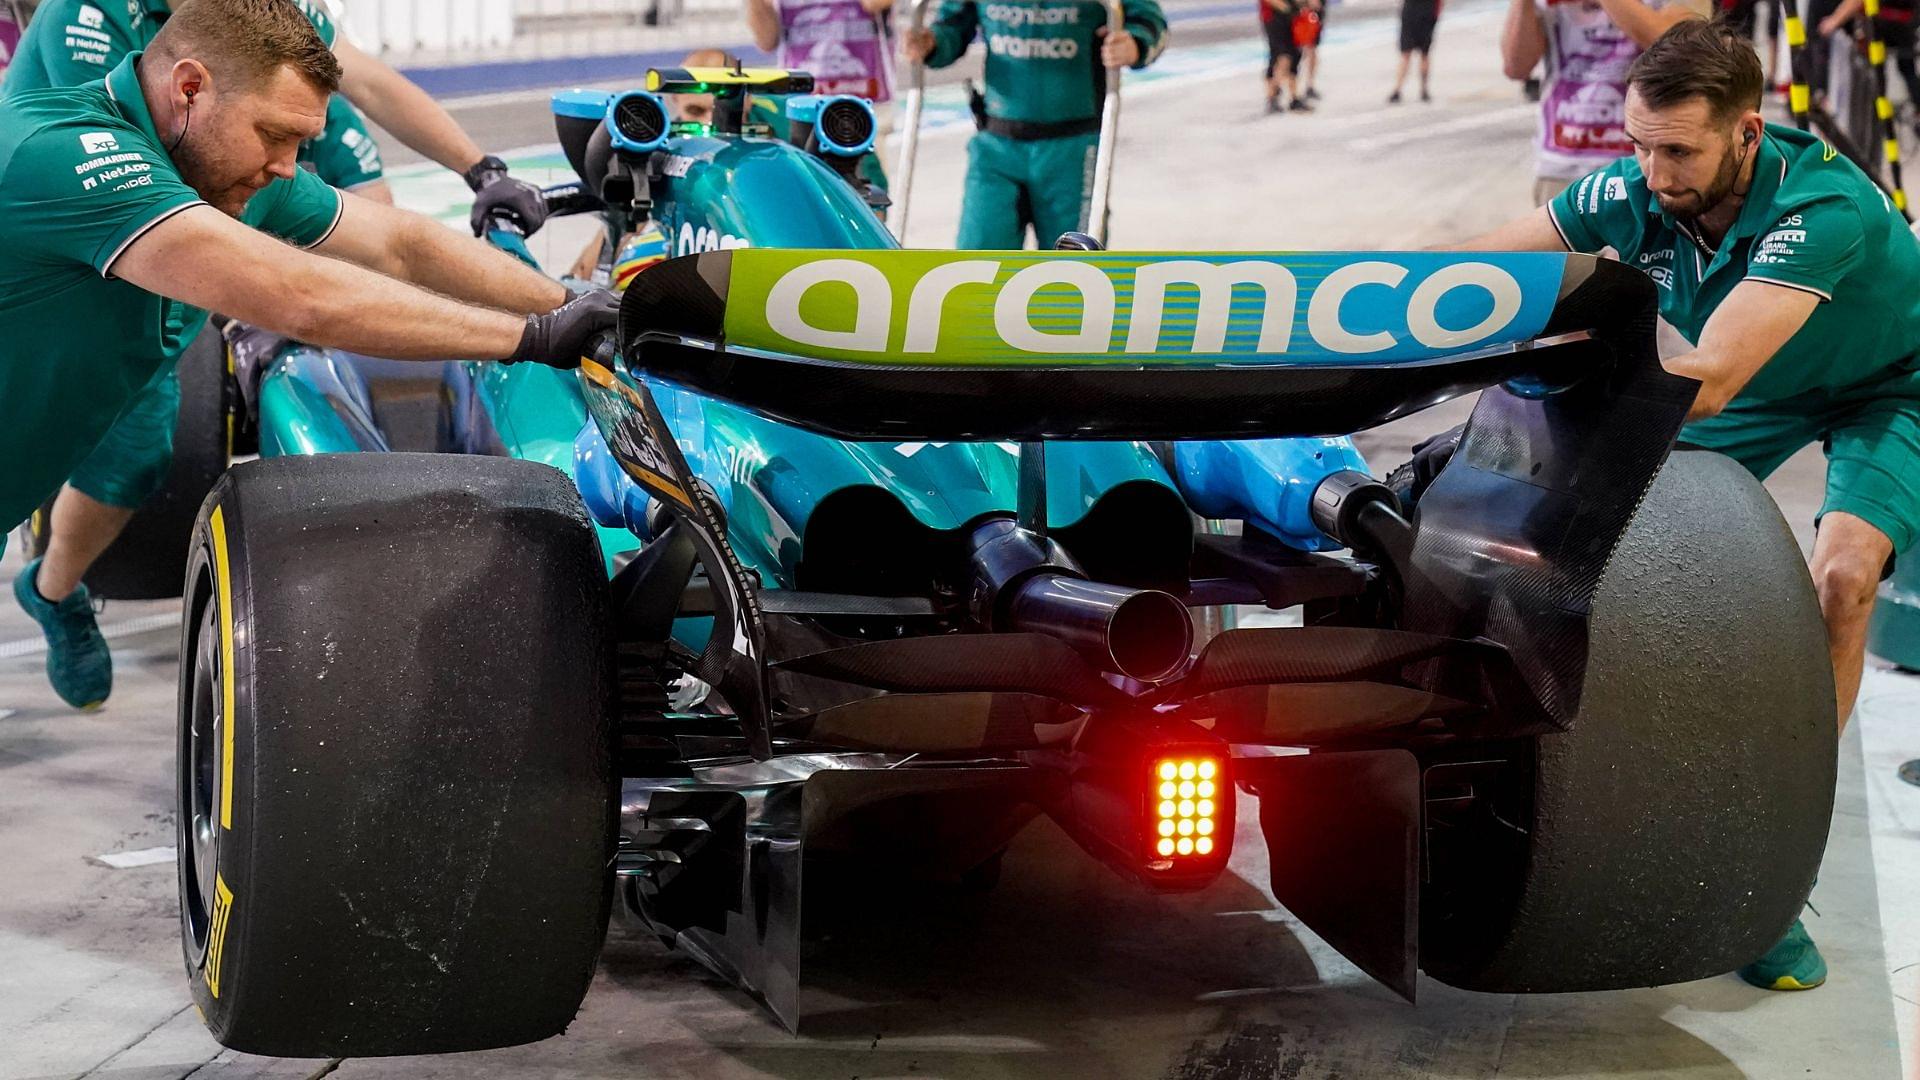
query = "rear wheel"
x=1675 y=831
x=148 y=560
x=396 y=790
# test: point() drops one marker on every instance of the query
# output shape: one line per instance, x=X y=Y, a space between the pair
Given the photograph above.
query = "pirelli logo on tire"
x=217 y=934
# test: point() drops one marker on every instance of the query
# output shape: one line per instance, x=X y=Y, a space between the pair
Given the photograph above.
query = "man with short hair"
x=70 y=42
x=1587 y=46
x=1798 y=284
x=132 y=205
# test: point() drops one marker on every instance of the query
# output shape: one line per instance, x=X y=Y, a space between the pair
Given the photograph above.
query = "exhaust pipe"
x=1025 y=582
x=1143 y=634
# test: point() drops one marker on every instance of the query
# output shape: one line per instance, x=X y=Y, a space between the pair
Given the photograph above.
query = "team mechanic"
x=70 y=42
x=1799 y=286
x=1032 y=162
x=118 y=201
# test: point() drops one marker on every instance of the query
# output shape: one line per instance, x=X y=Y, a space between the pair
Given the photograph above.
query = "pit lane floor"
x=1063 y=971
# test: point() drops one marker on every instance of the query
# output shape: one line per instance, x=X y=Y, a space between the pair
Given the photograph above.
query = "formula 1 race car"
x=851 y=554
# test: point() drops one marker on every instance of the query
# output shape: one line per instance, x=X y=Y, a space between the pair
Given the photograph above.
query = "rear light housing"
x=1152 y=798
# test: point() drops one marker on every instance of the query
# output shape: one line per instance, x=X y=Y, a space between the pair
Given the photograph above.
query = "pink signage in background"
x=9 y=36
x=840 y=44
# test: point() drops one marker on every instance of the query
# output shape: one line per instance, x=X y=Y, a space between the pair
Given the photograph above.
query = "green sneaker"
x=78 y=662
x=1794 y=964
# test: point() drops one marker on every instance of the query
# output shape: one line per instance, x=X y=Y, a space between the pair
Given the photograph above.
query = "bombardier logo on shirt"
x=87 y=40
x=1779 y=245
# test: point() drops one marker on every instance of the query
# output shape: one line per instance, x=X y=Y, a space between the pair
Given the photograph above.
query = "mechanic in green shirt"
x=69 y=42
x=1798 y=284
x=118 y=208
x=1032 y=163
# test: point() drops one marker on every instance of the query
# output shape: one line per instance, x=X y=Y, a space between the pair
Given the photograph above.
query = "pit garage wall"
x=433 y=32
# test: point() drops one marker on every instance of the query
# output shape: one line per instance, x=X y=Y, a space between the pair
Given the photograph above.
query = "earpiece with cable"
x=185 y=123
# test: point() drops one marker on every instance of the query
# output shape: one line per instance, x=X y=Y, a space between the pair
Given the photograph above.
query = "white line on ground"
x=1889 y=704
x=132 y=860
x=30 y=646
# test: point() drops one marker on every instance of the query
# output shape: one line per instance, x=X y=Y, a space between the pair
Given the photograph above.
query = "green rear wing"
x=1118 y=345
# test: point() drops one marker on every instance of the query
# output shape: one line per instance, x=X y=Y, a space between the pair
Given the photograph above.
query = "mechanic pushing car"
x=1032 y=162
x=118 y=201
x=1798 y=284
x=69 y=42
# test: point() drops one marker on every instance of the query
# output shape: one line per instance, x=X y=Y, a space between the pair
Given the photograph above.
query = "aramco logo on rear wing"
x=972 y=307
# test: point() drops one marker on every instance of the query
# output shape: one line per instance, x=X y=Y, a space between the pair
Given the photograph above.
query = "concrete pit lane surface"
x=1064 y=970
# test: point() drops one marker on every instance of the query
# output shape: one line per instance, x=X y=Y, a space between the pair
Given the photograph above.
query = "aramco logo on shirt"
x=1123 y=308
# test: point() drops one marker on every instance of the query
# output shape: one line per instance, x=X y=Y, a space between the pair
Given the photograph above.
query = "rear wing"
x=1118 y=345
x=724 y=80
x=1508 y=544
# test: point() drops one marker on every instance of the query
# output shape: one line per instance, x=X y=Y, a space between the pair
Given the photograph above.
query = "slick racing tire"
x=1674 y=832
x=396 y=788
x=148 y=560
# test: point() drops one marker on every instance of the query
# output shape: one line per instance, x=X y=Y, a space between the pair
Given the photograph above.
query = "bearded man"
x=1798 y=285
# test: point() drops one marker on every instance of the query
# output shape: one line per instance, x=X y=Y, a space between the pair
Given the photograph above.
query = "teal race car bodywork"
x=902 y=549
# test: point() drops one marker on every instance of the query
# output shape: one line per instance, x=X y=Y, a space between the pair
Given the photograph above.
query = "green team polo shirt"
x=83 y=174
x=69 y=42
x=1043 y=61
x=1813 y=221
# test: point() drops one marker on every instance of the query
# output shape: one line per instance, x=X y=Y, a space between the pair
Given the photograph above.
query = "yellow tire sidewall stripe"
x=224 y=583
x=217 y=933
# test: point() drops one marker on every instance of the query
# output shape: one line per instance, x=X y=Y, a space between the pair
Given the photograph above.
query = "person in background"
x=1417 y=21
x=1894 y=25
x=13 y=20
x=846 y=45
x=1283 y=55
x=1587 y=46
x=647 y=245
x=1309 y=26
x=1032 y=164
x=843 y=44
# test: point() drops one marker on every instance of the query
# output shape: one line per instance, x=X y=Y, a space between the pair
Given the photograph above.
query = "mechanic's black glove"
x=497 y=195
x=1430 y=456
x=562 y=336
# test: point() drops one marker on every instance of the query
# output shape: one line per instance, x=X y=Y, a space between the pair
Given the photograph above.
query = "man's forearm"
x=1642 y=23
x=394 y=102
x=437 y=258
x=352 y=308
x=1522 y=41
x=764 y=23
x=1715 y=391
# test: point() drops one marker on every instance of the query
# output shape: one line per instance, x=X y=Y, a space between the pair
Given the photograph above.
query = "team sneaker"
x=1393 y=98
x=1793 y=964
x=1299 y=104
x=78 y=663
x=1273 y=105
